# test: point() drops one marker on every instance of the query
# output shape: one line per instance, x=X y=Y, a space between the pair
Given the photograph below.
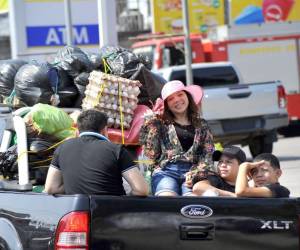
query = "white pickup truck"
x=238 y=113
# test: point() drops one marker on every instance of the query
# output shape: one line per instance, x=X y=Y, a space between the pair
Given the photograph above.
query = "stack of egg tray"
x=113 y=95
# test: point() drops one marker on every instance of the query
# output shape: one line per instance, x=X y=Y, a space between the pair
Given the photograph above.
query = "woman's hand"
x=158 y=107
x=189 y=179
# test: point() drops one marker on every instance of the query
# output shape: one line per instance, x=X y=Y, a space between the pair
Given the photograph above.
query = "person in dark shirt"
x=265 y=172
x=91 y=164
x=223 y=183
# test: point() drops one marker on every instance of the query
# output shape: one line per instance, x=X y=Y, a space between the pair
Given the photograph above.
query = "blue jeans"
x=171 y=179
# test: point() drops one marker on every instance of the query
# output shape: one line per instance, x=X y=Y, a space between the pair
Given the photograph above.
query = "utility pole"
x=187 y=43
x=107 y=19
x=68 y=22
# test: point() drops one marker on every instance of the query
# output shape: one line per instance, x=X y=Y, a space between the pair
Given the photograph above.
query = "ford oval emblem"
x=196 y=211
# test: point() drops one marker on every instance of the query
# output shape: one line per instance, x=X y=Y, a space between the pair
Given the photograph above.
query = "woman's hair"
x=193 y=112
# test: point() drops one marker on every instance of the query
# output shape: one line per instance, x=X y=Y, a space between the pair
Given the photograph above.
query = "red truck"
x=270 y=51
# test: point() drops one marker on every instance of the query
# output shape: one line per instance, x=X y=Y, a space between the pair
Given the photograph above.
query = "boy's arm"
x=203 y=186
x=242 y=188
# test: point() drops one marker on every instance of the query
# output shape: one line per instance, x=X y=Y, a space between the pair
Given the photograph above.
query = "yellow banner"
x=3 y=6
x=251 y=11
x=203 y=15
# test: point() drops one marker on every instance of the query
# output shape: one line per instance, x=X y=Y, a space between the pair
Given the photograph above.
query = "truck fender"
x=9 y=237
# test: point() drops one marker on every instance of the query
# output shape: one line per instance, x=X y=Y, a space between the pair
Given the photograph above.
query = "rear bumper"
x=238 y=129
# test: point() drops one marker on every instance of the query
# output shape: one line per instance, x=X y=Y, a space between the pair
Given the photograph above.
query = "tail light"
x=73 y=231
x=281 y=96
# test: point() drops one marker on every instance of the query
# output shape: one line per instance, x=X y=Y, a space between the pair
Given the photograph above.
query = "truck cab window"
x=175 y=56
x=208 y=77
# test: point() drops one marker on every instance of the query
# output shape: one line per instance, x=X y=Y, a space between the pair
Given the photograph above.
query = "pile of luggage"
x=115 y=81
x=63 y=82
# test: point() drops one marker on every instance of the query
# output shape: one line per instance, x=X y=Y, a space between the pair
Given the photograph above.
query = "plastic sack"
x=122 y=62
x=8 y=70
x=67 y=97
x=82 y=79
x=64 y=80
x=96 y=60
x=81 y=89
x=151 y=85
x=66 y=90
x=33 y=83
x=73 y=60
x=40 y=152
x=8 y=162
x=50 y=120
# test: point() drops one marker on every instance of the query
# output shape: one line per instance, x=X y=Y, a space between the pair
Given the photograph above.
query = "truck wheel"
x=259 y=145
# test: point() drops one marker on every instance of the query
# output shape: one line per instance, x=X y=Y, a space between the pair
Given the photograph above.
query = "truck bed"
x=28 y=221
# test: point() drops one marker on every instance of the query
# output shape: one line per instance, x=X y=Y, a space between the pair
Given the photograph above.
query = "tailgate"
x=131 y=223
x=240 y=101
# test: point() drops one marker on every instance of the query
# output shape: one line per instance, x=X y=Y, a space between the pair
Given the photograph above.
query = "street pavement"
x=288 y=152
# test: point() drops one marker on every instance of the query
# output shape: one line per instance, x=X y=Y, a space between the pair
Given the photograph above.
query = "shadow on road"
x=292 y=130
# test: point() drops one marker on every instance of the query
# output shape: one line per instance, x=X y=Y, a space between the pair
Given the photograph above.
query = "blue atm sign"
x=56 y=35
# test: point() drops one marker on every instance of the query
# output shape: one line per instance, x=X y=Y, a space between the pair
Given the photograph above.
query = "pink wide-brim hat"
x=174 y=86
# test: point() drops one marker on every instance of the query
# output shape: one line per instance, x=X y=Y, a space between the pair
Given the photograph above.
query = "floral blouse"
x=161 y=144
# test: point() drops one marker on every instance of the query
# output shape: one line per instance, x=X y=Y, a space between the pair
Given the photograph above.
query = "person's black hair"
x=91 y=120
x=192 y=111
x=272 y=159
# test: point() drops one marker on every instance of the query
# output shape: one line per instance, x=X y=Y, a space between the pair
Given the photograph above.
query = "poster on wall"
x=260 y=11
x=3 y=6
x=204 y=15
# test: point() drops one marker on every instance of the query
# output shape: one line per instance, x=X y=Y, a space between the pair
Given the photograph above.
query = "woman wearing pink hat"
x=176 y=139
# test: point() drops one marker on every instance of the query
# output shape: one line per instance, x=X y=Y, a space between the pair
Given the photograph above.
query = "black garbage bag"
x=152 y=84
x=68 y=97
x=40 y=152
x=122 y=62
x=8 y=70
x=67 y=90
x=64 y=80
x=146 y=61
x=40 y=155
x=82 y=79
x=39 y=175
x=81 y=90
x=34 y=82
x=96 y=61
x=73 y=60
x=8 y=162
